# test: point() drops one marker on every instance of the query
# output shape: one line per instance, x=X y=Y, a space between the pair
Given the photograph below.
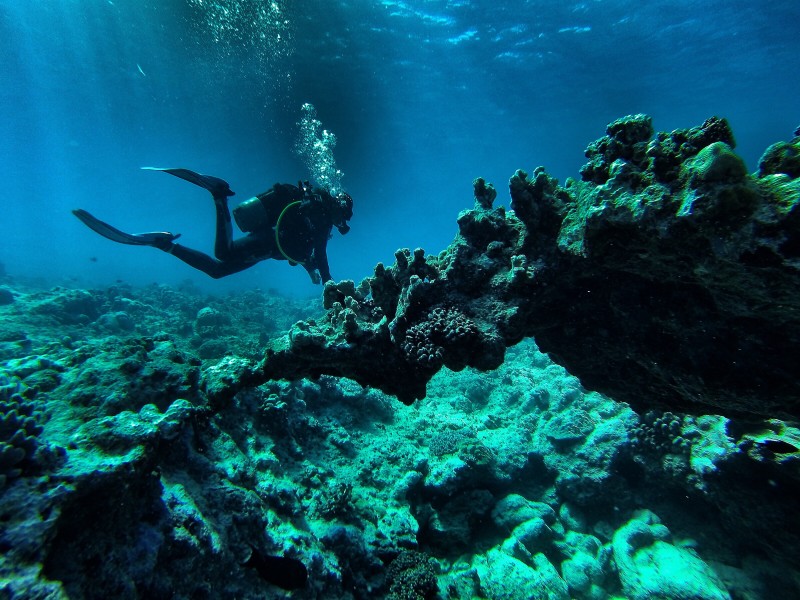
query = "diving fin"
x=218 y=187
x=157 y=239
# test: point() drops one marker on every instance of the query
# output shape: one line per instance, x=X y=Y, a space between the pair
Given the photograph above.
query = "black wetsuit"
x=304 y=231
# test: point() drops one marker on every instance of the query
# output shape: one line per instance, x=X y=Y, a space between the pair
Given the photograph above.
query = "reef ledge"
x=667 y=277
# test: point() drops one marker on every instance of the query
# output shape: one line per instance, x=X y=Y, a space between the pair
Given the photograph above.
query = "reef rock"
x=650 y=566
x=669 y=278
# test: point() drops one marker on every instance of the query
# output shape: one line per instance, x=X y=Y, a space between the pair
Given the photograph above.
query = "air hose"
x=278 y=235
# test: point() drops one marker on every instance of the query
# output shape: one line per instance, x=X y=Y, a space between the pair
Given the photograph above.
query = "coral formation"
x=662 y=433
x=669 y=264
x=782 y=158
x=20 y=426
x=412 y=576
x=626 y=140
x=650 y=565
x=444 y=336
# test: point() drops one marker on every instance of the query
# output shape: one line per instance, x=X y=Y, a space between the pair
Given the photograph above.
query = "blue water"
x=423 y=96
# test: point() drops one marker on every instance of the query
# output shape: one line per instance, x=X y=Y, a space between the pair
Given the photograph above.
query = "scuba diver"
x=286 y=222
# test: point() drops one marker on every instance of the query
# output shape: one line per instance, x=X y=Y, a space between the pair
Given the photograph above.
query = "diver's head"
x=342 y=212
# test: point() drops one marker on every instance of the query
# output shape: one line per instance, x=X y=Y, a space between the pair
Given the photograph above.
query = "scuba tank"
x=260 y=213
x=251 y=215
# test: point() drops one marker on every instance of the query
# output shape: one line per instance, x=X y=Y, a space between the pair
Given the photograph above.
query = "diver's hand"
x=315 y=278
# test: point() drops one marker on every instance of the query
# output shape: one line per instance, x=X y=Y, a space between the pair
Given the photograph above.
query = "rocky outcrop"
x=669 y=278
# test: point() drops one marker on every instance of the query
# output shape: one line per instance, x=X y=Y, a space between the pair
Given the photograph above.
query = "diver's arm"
x=312 y=272
x=321 y=258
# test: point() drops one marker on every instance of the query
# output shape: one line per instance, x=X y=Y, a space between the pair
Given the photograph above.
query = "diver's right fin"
x=219 y=188
x=157 y=239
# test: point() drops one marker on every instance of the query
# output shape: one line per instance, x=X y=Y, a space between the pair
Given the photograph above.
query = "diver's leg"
x=239 y=255
x=203 y=262
x=223 y=243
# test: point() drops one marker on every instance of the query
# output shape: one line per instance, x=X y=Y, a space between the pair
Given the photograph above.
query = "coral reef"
x=511 y=484
x=668 y=279
x=165 y=455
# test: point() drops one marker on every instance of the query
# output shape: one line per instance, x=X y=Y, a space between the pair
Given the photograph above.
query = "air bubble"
x=315 y=147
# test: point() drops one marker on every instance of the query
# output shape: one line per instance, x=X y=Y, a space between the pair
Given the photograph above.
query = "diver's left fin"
x=154 y=238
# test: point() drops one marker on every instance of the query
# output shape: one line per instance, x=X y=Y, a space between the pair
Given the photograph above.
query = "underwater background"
x=127 y=470
x=422 y=96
